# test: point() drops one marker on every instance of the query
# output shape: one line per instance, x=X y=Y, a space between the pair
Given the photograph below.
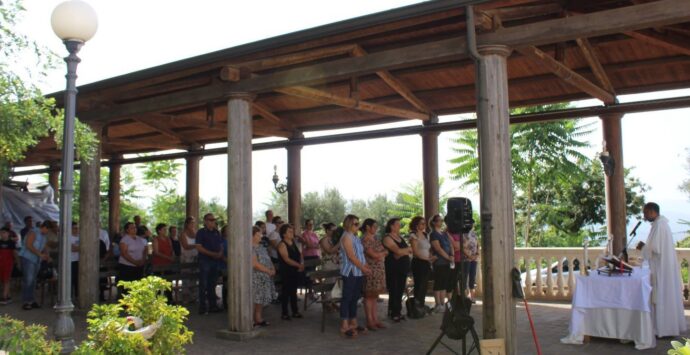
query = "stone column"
x=496 y=196
x=114 y=191
x=430 y=171
x=240 y=301
x=54 y=179
x=89 y=225
x=294 y=183
x=615 y=184
x=192 y=190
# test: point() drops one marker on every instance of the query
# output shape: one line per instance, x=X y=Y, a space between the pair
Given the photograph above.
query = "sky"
x=135 y=35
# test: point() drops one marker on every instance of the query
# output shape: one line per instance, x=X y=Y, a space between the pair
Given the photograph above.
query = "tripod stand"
x=457 y=321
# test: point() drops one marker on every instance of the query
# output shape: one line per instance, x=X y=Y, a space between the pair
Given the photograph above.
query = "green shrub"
x=145 y=300
x=18 y=338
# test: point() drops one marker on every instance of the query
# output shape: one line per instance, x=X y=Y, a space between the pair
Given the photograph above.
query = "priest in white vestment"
x=660 y=253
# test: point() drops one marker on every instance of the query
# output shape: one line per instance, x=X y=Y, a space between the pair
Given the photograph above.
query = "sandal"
x=396 y=319
x=27 y=307
x=372 y=328
x=361 y=329
x=380 y=326
x=285 y=317
x=348 y=333
x=262 y=324
x=297 y=315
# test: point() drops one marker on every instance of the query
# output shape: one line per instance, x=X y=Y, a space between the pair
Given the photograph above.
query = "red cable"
x=531 y=324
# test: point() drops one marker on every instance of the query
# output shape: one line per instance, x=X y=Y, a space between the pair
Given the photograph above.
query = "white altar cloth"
x=617 y=307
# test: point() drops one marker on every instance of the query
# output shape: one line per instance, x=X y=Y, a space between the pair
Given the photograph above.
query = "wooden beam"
x=568 y=75
x=396 y=84
x=144 y=143
x=526 y=11
x=264 y=112
x=166 y=131
x=594 y=63
x=629 y=18
x=331 y=99
x=295 y=58
x=669 y=41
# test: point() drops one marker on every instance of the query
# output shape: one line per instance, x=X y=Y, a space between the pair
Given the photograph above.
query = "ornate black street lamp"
x=75 y=22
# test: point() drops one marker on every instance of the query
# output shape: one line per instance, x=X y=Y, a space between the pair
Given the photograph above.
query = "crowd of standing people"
x=370 y=263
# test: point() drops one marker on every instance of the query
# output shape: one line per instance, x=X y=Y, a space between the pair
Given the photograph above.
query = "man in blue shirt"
x=209 y=243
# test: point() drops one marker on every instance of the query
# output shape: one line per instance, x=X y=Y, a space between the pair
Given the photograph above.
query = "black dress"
x=290 y=277
x=396 y=277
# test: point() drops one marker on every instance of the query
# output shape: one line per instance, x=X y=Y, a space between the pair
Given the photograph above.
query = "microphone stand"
x=633 y=234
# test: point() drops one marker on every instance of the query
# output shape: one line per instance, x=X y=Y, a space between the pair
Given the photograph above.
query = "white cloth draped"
x=615 y=307
x=660 y=252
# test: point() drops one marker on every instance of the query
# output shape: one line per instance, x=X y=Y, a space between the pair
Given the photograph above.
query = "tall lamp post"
x=75 y=22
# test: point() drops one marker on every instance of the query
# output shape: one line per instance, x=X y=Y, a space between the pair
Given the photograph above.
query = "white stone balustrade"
x=557 y=285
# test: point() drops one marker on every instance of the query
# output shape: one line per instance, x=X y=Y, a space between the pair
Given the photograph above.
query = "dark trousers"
x=288 y=292
x=396 y=276
x=421 y=272
x=352 y=290
x=208 y=276
x=128 y=273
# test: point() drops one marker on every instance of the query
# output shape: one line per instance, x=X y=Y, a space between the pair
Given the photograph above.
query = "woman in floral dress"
x=375 y=283
x=262 y=272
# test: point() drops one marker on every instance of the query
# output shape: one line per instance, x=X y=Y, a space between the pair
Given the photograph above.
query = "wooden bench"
x=184 y=277
x=323 y=282
x=108 y=271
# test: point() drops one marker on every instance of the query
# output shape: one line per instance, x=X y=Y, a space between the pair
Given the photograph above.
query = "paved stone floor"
x=303 y=336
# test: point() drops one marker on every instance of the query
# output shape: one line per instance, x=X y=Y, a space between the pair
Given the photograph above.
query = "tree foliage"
x=26 y=116
x=558 y=192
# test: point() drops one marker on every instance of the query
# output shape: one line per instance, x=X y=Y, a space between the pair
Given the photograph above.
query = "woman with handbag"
x=31 y=255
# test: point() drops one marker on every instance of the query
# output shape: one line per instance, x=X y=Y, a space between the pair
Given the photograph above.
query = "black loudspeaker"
x=459 y=216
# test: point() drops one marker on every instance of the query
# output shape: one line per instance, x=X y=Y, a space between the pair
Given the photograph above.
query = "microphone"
x=633 y=233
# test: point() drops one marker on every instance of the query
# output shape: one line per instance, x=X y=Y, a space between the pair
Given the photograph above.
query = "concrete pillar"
x=192 y=189
x=240 y=301
x=496 y=196
x=430 y=172
x=89 y=225
x=294 y=183
x=54 y=179
x=615 y=184
x=114 y=191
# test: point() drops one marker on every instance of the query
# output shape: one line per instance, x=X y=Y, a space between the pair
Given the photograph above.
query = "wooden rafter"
x=331 y=99
x=567 y=74
x=162 y=129
x=396 y=84
x=594 y=63
x=295 y=58
x=144 y=143
x=264 y=112
x=673 y=42
x=629 y=18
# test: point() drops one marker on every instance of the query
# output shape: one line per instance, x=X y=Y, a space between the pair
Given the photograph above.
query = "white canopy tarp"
x=17 y=204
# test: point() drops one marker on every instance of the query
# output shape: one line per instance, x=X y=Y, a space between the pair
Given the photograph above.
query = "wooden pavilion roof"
x=402 y=64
